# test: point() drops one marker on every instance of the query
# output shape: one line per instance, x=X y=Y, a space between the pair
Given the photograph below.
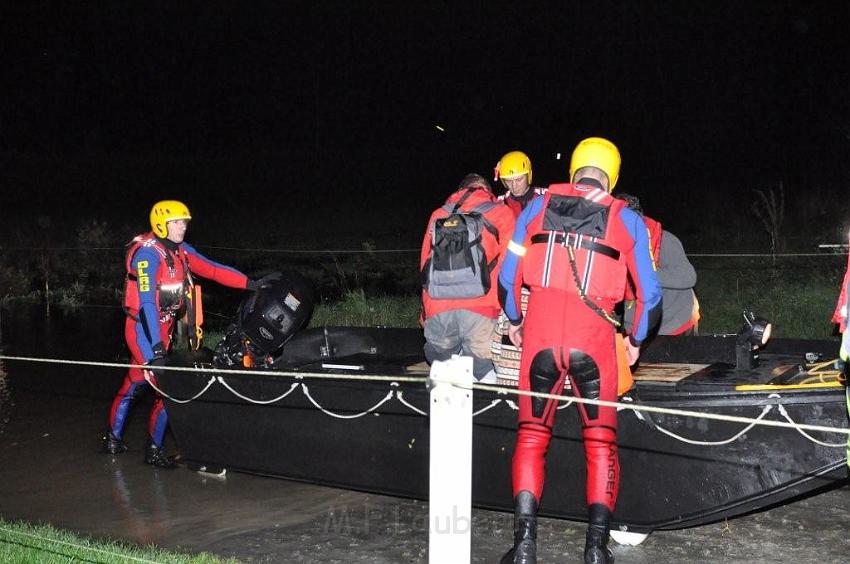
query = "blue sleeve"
x=642 y=269
x=146 y=263
x=510 y=277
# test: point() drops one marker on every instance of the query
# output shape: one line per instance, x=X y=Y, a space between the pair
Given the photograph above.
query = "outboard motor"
x=265 y=321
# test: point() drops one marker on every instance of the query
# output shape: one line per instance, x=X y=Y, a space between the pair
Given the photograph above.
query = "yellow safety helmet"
x=600 y=153
x=513 y=164
x=165 y=211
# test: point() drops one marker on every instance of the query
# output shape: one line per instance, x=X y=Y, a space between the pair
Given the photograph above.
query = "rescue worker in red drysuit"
x=159 y=274
x=575 y=247
x=514 y=171
x=842 y=317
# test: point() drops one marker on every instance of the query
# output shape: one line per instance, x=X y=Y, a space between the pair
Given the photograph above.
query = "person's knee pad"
x=585 y=374
x=543 y=377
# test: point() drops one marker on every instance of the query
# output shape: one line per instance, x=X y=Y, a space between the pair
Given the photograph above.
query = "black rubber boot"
x=156 y=456
x=112 y=444
x=596 y=549
x=524 y=550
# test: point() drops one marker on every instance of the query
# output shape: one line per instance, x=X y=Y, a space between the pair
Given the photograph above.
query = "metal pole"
x=450 y=487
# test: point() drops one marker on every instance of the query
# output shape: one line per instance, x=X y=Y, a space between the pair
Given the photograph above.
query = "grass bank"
x=798 y=300
x=23 y=543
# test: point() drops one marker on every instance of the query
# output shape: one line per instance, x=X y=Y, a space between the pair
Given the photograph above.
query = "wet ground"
x=51 y=418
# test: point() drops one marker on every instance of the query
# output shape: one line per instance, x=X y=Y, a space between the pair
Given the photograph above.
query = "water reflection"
x=5 y=396
x=6 y=404
x=145 y=507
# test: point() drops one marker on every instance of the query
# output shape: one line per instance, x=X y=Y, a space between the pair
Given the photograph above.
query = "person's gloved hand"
x=844 y=353
x=158 y=351
x=263 y=282
x=158 y=358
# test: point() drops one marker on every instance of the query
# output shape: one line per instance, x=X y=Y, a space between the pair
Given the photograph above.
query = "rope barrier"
x=672 y=411
x=412 y=250
x=790 y=424
x=273 y=373
x=111 y=555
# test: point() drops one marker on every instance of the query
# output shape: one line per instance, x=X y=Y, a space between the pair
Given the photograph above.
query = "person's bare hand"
x=515 y=334
x=632 y=352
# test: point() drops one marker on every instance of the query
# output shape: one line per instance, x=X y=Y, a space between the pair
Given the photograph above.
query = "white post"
x=450 y=488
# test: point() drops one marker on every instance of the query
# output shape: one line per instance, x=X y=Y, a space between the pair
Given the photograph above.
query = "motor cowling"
x=265 y=320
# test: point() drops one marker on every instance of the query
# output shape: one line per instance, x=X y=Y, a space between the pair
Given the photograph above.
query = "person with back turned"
x=462 y=251
x=575 y=248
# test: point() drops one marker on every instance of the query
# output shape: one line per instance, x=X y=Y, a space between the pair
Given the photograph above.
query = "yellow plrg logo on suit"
x=142 y=276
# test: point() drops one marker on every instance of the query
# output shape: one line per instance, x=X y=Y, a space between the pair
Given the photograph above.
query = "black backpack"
x=457 y=267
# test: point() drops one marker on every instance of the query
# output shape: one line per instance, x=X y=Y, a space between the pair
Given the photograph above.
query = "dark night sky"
x=690 y=91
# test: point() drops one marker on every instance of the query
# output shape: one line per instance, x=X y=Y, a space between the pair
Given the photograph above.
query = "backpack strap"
x=482 y=209
x=462 y=199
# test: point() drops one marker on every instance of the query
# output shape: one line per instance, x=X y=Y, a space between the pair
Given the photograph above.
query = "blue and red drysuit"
x=158 y=279
x=517 y=204
x=575 y=248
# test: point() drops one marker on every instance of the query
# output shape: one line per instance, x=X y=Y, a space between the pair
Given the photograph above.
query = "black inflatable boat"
x=373 y=435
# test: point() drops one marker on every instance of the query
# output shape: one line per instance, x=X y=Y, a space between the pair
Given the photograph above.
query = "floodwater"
x=51 y=471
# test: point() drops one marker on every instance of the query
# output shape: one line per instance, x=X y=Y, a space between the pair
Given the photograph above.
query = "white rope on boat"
x=256 y=401
x=767 y=409
x=400 y=397
x=175 y=400
x=339 y=415
x=784 y=413
x=493 y=404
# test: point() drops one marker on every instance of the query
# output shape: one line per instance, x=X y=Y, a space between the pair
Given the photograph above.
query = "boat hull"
x=373 y=436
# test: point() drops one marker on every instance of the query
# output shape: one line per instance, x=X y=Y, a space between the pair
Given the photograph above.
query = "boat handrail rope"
x=487 y=407
x=767 y=409
x=784 y=413
x=224 y=383
x=400 y=397
x=306 y=391
x=175 y=400
x=501 y=390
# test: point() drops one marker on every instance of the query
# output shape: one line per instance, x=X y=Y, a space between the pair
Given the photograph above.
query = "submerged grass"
x=799 y=304
x=23 y=543
x=358 y=309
